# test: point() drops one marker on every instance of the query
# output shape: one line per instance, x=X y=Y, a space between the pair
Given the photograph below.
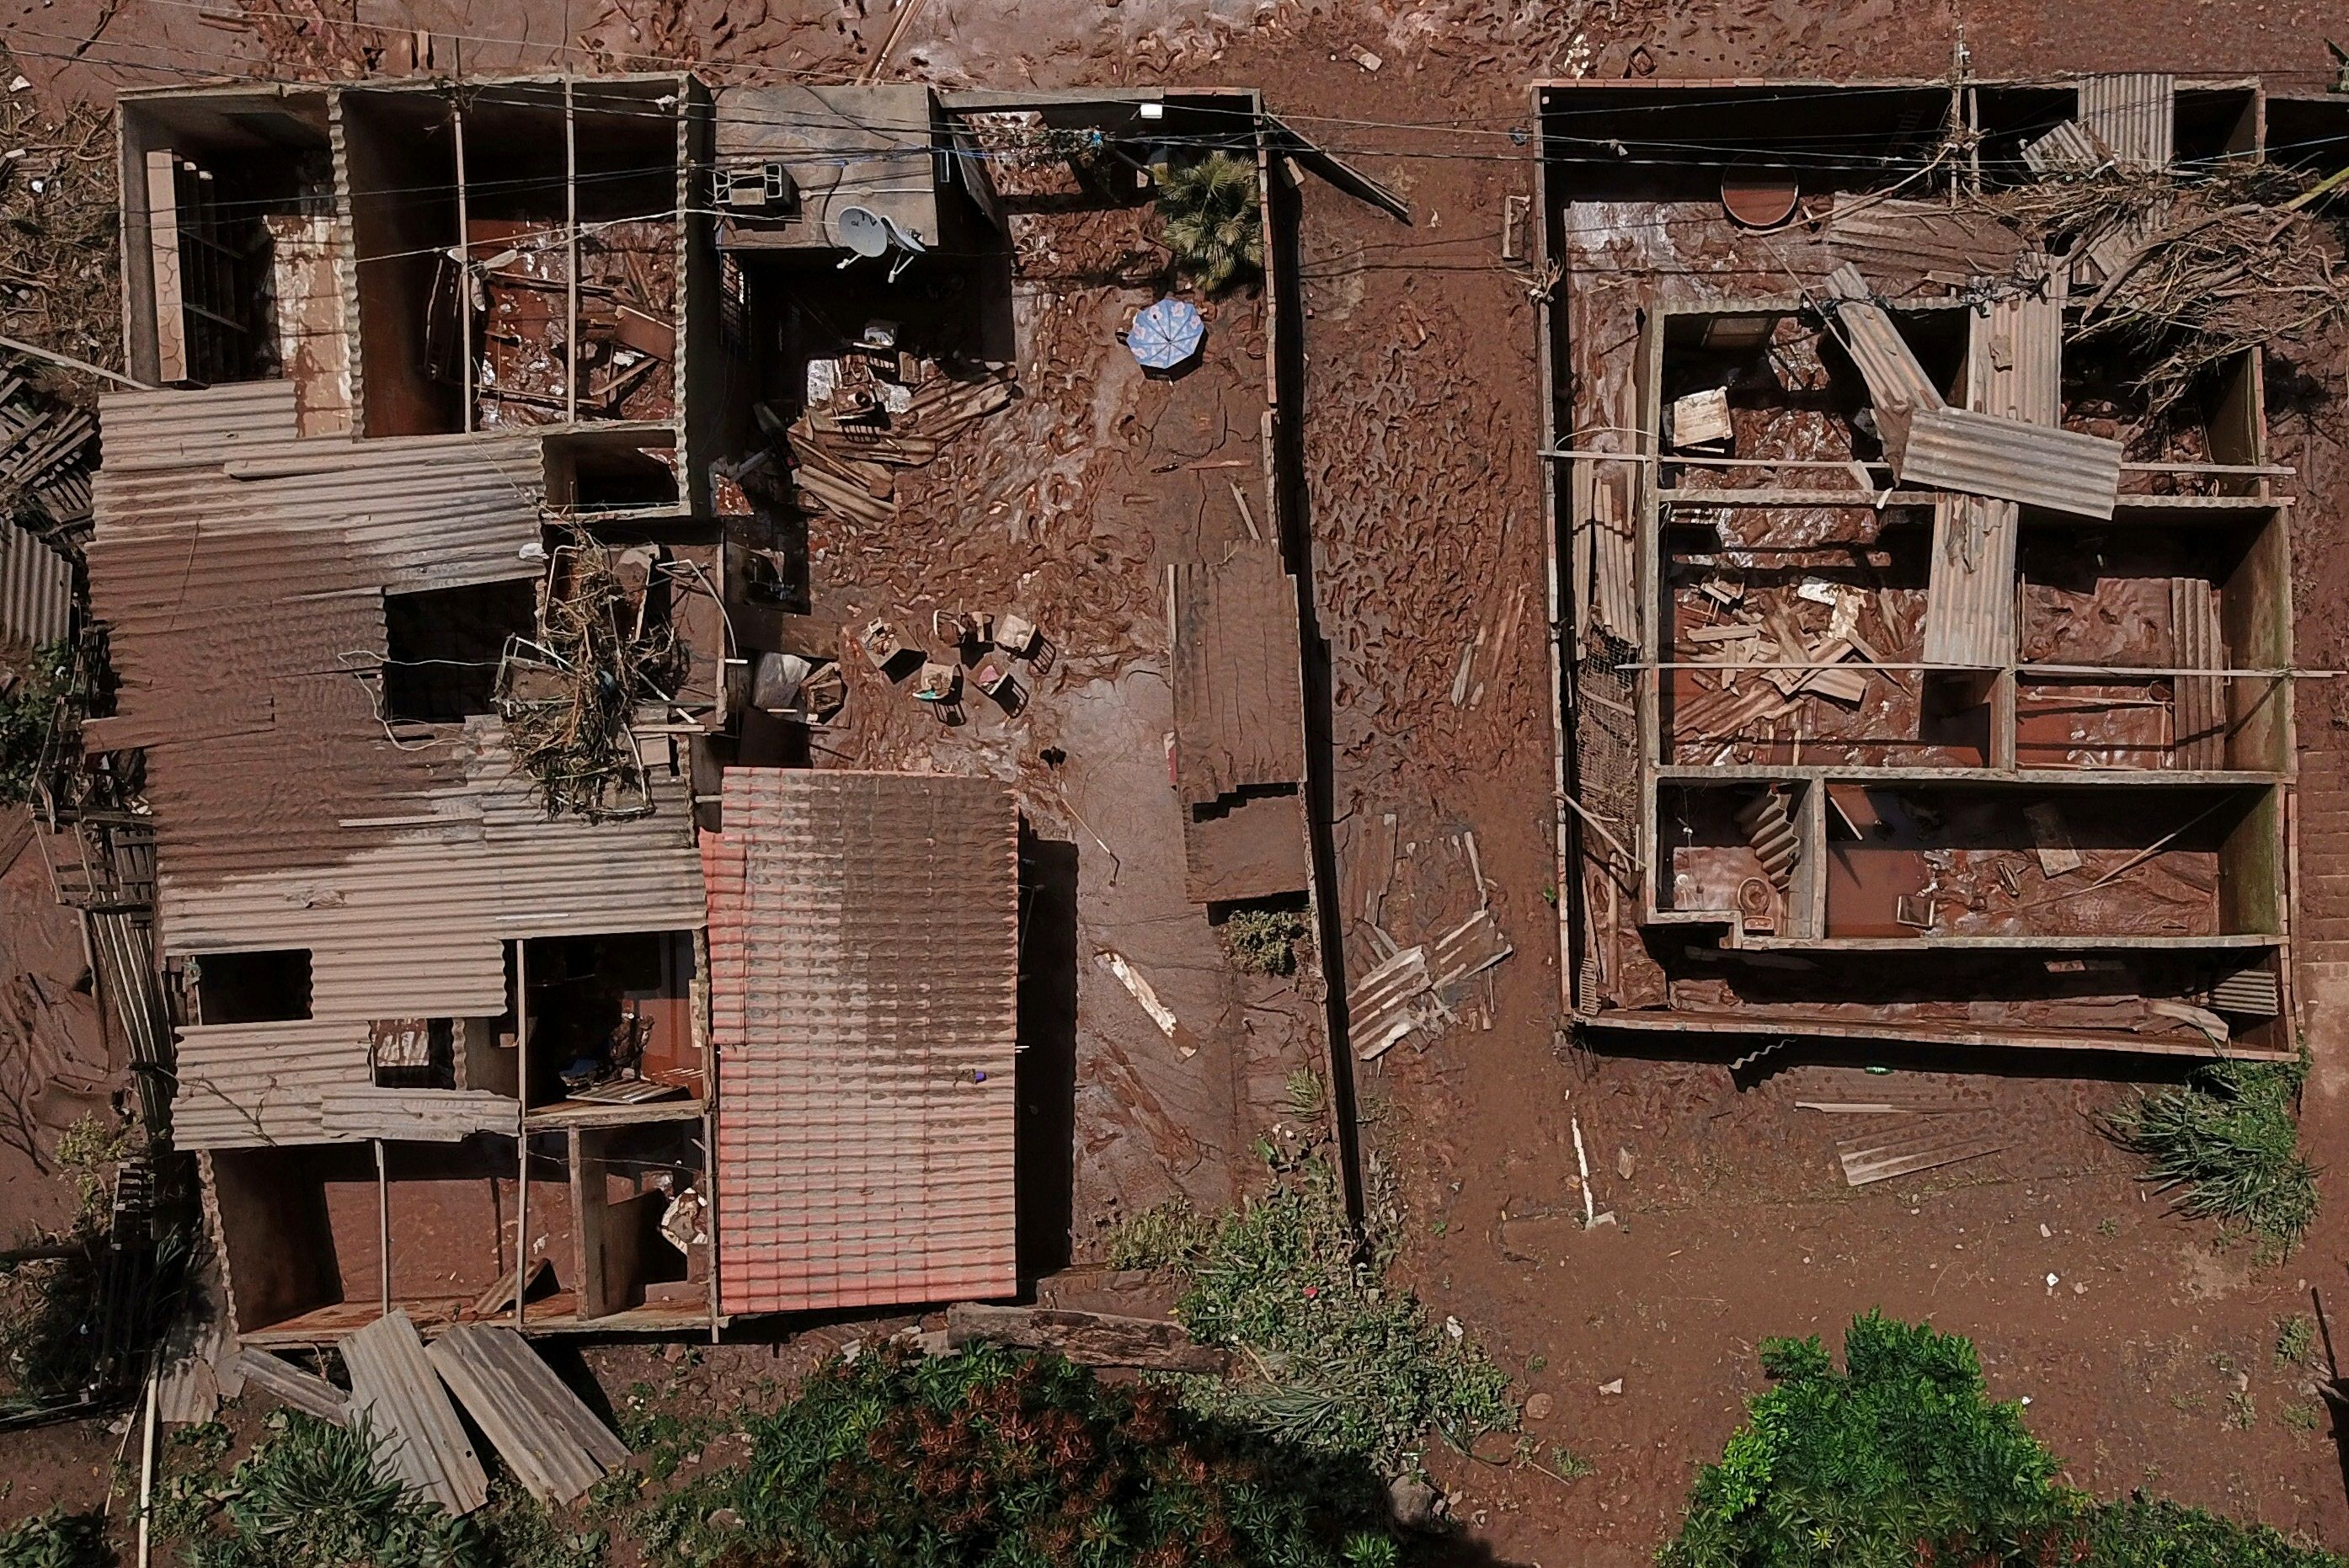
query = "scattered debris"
x=1186 y=1044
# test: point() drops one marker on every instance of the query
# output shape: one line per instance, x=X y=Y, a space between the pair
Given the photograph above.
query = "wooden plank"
x=396 y=1391
x=1615 y=561
x=290 y=1385
x=1256 y=850
x=2051 y=839
x=1239 y=708
x=163 y=248
x=1088 y=1339
x=544 y=1432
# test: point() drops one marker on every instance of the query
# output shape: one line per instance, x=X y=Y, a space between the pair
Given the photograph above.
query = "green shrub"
x=1898 y=1458
x=313 y=1494
x=1345 y=1362
x=1902 y=1461
x=2143 y=1532
x=986 y=1461
x=2228 y=1140
x=57 y=1539
x=1265 y=941
x=1214 y=224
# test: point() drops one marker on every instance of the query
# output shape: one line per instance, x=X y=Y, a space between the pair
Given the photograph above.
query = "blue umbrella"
x=1166 y=333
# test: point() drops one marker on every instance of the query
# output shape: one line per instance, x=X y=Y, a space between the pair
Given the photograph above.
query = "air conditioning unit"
x=758 y=188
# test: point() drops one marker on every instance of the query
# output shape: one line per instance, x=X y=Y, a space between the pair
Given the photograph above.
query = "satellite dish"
x=866 y=235
x=861 y=232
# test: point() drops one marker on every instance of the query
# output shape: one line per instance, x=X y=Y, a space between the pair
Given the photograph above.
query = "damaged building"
x=464 y=588
x=496 y=951
x=1926 y=664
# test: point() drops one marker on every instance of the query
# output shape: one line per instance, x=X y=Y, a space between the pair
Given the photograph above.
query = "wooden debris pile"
x=870 y=414
x=2193 y=271
x=60 y=261
x=570 y=698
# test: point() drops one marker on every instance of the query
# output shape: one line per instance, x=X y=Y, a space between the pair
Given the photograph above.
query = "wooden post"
x=571 y=269
x=465 y=265
x=383 y=1222
x=522 y=1125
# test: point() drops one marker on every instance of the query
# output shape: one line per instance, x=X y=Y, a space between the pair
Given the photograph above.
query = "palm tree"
x=1214 y=225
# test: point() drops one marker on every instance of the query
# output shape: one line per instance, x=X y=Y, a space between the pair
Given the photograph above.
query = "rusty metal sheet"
x=2067 y=149
x=863 y=944
x=1894 y=240
x=1896 y=382
x=241 y=570
x=36 y=591
x=546 y=1435
x=2062 y=470
x=2014 y=359
x=395 y=1389
x=1970 y=592
x=2133 y=115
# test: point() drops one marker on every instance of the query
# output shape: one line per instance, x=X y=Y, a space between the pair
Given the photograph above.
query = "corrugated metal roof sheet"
x=1970 y=589
x=36 y=589
x=2063 y=470
x=863 y=973
x=1896 y=382
x=2067 y=149
x=2015 y=352
x=2134 y=115
x=241 y=572
x=1904 y=243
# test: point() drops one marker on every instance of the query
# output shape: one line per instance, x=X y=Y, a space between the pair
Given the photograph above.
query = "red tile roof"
x=864 y=945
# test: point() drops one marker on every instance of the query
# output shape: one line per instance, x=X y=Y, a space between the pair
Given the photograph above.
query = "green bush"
x=1346 y=1364
x=986 y=1461
x=57 y=1539
x=2147 y=1532
x=1898 y=1458
x=2228 y=1140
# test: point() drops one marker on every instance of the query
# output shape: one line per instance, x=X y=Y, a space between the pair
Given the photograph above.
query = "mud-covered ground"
x=2148 y=1359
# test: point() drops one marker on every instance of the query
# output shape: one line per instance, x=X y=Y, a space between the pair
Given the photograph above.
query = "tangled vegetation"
x=1343 y=1362
x=1215 y=225
x=2154 y=1533
x=2197 y=269
x=2228 y=1142
x=569 y=698
x=1901 y=1459
x=26 y=711
x=983 y=1459
x=1265 y=941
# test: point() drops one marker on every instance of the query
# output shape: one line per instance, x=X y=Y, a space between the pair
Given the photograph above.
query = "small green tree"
x=1898 y=1458
x=1214 y=224
x=2154 y=1533
x=984 y=1460
x=313 y=1492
